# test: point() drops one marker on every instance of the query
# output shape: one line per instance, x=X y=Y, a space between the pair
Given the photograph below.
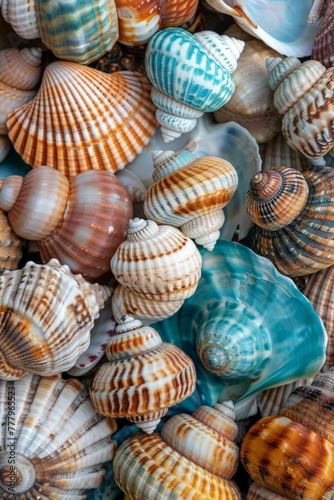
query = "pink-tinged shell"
x=21 y=69
x=323 y=45
x=83 y=119
x=10 y=245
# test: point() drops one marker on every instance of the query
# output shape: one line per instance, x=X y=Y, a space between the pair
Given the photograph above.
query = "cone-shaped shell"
x=296 y=227
x=144 y=376
x=193 y=458
x=83 y=119
x=54 y=443
x=46 y=317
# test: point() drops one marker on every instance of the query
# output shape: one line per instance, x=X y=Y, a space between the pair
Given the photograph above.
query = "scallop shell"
x=83 y=119
x=53 y=443
x=323 y=47
x=10 y=245
x=193 y=457
x=46 y=319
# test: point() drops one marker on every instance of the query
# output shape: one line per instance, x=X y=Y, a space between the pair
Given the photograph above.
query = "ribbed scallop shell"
x=83 y=119
x=53 y=443
x=193 y=458
x=10 y=245
x=46 y=317
x=192 y=197
x=323 y=46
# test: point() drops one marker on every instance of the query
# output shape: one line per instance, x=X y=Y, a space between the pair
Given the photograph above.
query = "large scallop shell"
x=53 y=443
x=83 y=119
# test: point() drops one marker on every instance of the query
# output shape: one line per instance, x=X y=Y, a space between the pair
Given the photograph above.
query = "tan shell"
x=323 y=45
x=10 y=245
x=257 y=492
x=278 y=152
x=5 y=146
x=83 y=119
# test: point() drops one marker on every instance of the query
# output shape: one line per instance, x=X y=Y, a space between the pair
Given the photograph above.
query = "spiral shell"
x=47 y=314
x=189 y=193
x=323 y=45
x=294 y=214
x=53 y=444
x=83 y=119
x=144 y=376
x=193 y=457
x=10 y=245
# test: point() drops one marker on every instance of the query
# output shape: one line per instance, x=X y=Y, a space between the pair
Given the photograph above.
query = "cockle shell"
x=304 y=95
x=194 y=457
x=293 y=454
x=80 y=222
x=143 y=378
x=158 y=267
x=190 y=74
x=79 y=31
x=83 y=119
x=46 y=317
x=138 y=20
x=53 y=443
x=10 y=245
x=189 y=193
x=323 y=47
x=293 y=214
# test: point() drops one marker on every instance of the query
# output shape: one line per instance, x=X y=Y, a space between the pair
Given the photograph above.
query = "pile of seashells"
x=166 y=250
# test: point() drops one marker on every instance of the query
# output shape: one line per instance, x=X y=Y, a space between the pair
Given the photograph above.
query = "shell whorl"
x=21 y=69
x=276 y=197
x=225 y=49
x=22 y=16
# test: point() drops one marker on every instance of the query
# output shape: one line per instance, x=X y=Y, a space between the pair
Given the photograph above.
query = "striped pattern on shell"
x=60 y=441
x=323 y=45
x=10 y=245
x=83 y=119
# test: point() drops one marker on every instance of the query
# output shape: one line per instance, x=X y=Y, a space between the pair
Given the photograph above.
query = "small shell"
x=190 y=194
x=99 y=120
x=133 y=184
x=323 y=46
x=53 y=439
x=10 y=245
x=144 y=376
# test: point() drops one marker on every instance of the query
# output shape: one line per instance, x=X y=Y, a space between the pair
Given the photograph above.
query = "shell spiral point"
x=292 y=454
x=189 y=193
x=144 y=376
x=190 y=75
x=60 y=441
x=182 y=460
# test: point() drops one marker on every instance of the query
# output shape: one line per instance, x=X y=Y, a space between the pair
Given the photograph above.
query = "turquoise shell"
x=179 y=66
x=264 y=330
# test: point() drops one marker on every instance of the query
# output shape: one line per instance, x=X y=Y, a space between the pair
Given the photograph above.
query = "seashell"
x=281 y=25
x=190 y=74
x=144 y=376
x=10 y=245
x=80 y=31
x=5 y=146
x=292 y=454
x=323 y=48
x=303 y=94
x=53 y=443
x=235 y=326
x=47 y=314
x=138 y=21
x=189 y=193
x=156 y=263
x=293 y=214
x=194 y=456
x=82 y=221
x=278 y=152
x=99 y=120
x=122 y=58
x=251 y=104
x=133 y=184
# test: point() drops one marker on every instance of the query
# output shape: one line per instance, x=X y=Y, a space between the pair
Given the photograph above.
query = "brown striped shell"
x=293 y=454
x=10 y=245
x=293 y=214
x=194 y=458
x=323 y=44
x=144 y=376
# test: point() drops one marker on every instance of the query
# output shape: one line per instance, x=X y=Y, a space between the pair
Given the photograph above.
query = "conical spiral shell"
x=21 y=69
x=53 y=443
x=22 y=17
x=191 y=459
x=83 y=119
x=46 y=317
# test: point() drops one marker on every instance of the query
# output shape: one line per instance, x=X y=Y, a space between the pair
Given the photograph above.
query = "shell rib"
x=54 y=439
x=83 y=119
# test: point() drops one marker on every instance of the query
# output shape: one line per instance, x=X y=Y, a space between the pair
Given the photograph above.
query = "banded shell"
x=323 y=47
x=10 y=245
x=46 y=317
x=193 y=457
x=144 y=376
x=80 y=222
x=303 y=94
x=293 y=215
x=99 y=120
x=158 y=267
x=189 y=193
x=190 y=74
x=293 y=454
x=79 y=31
x=54 y=443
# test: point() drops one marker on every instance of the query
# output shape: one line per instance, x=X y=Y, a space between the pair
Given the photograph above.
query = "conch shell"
x=189 y=193
x=193 y=457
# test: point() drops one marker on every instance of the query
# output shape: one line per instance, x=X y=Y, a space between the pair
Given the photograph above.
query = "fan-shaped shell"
x=323 y=46
x=54 y=443
x=83 y=119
